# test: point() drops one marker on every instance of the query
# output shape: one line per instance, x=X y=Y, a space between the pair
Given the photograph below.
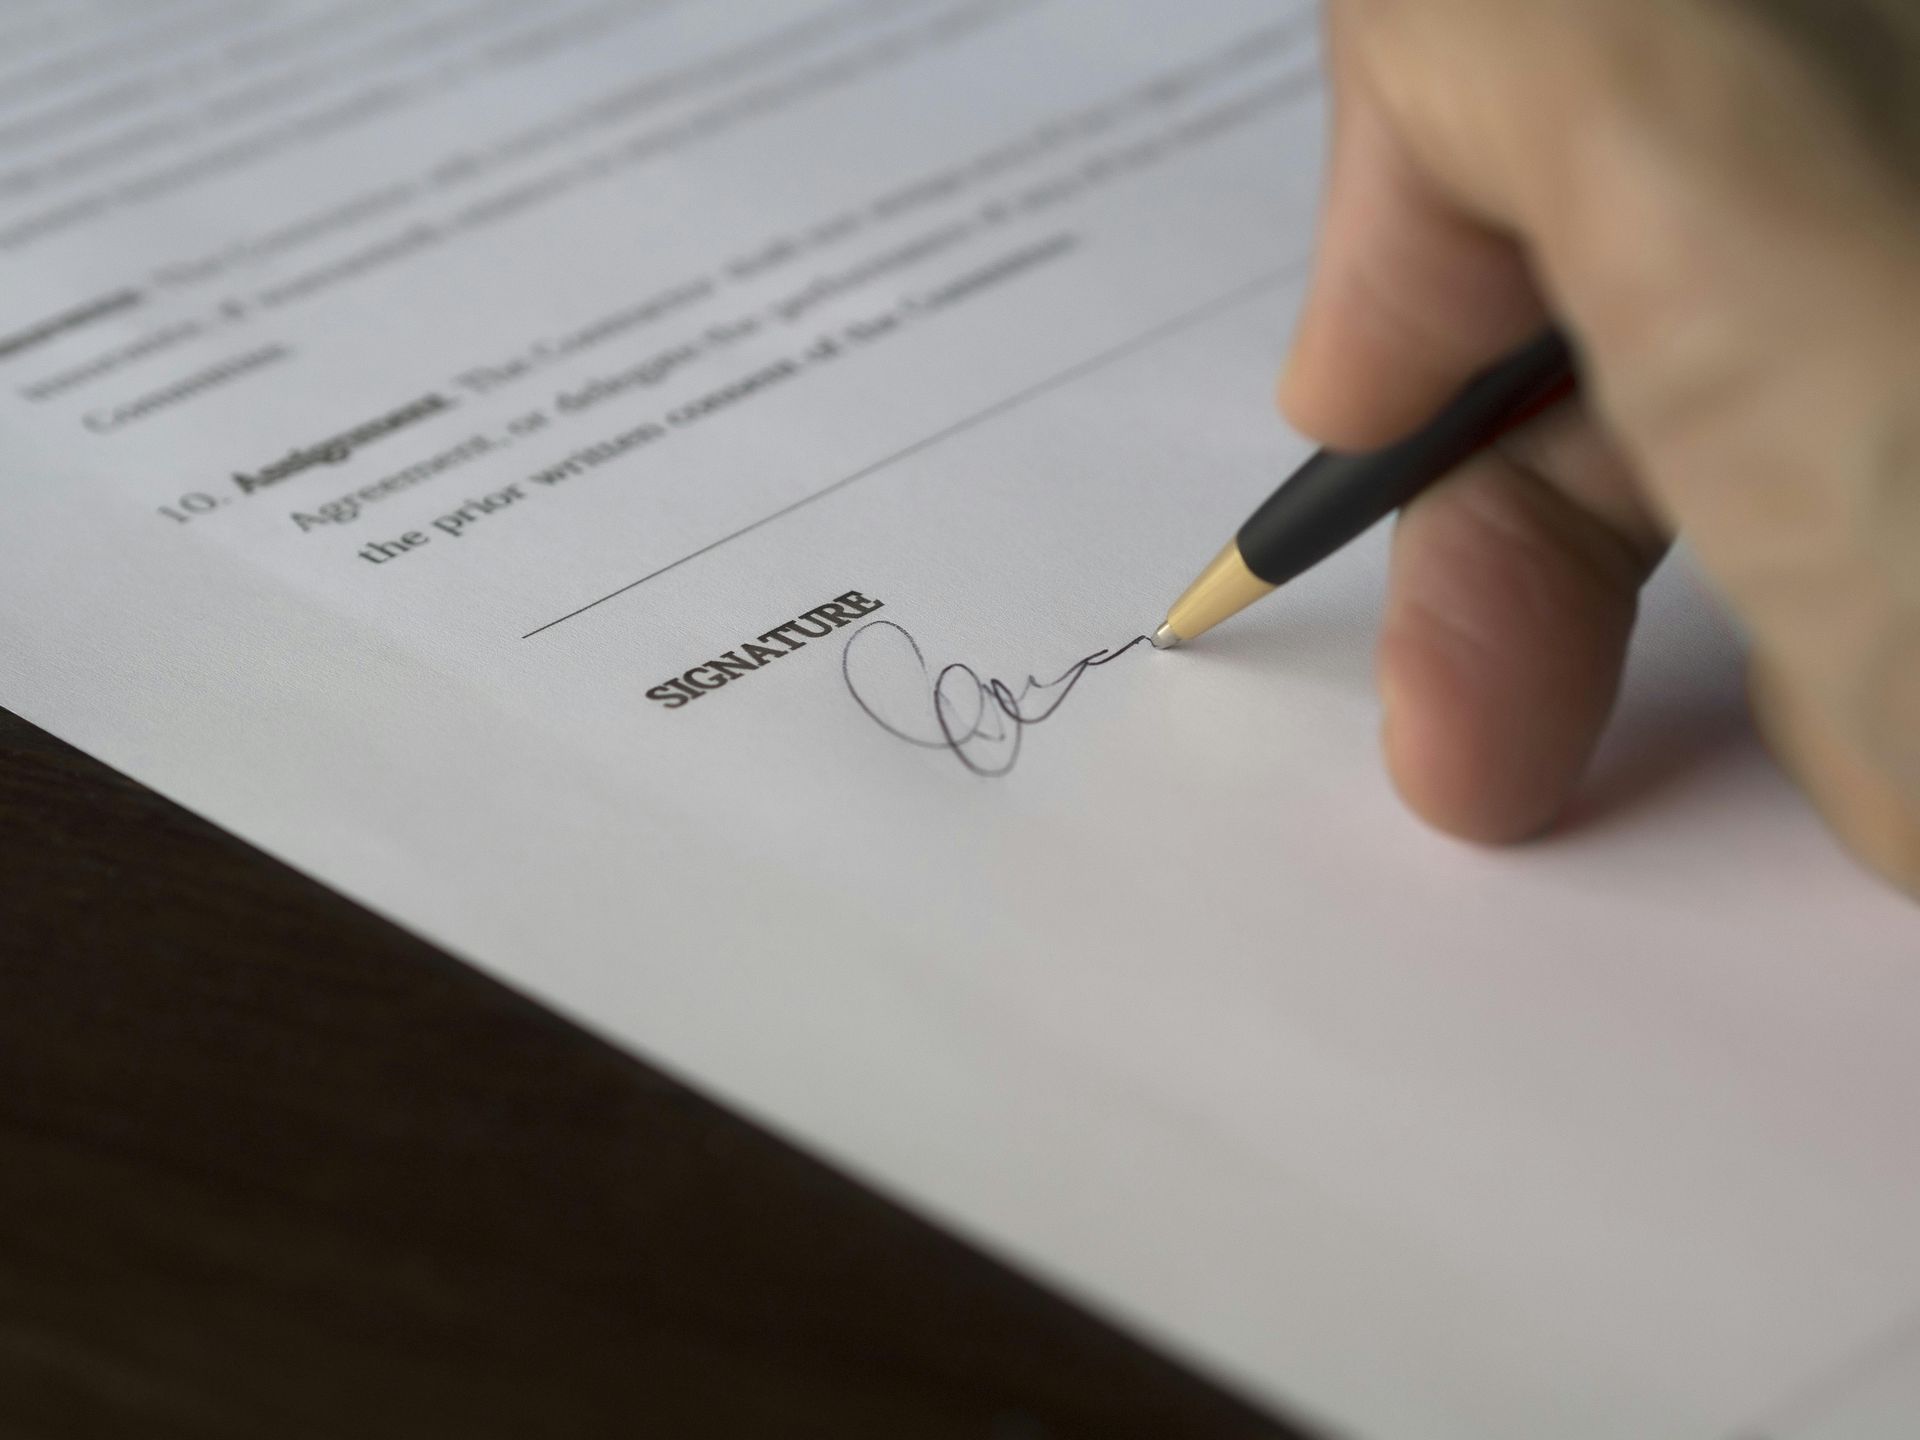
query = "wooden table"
x=270 y=1166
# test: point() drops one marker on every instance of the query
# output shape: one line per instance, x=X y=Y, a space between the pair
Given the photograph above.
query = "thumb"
x=1411 y=294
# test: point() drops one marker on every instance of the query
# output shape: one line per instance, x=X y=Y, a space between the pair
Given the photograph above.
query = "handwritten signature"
x=982 y=721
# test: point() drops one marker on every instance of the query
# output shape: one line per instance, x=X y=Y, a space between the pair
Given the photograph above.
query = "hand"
x=1734 y=245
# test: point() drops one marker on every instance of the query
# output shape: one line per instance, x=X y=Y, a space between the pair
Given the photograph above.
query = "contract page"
x=663 y=499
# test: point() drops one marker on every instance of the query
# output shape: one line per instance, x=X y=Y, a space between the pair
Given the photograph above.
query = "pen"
x=1336 y=497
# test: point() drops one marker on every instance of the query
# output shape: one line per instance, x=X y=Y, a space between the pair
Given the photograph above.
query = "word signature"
x=982 y=721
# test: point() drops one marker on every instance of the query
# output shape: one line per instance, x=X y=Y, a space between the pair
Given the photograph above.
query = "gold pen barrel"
x=1226 y=587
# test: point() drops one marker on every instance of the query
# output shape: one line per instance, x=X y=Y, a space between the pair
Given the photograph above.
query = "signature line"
x=1053 y=382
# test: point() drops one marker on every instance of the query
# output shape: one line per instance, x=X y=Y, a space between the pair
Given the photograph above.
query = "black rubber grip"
x=1335 y=498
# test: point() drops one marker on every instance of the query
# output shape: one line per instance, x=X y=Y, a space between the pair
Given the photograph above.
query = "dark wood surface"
x=270 y=1166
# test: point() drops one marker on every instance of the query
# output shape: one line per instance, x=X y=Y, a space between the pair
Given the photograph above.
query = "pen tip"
x=1165 y=639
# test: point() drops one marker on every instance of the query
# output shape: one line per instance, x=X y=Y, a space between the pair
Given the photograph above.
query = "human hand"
x=1726 y=218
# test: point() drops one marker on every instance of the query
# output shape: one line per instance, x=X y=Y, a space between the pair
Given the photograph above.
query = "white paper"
x=1874 y=1397
x=970 y=307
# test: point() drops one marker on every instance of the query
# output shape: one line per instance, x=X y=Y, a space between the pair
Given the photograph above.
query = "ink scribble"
x=982 y=721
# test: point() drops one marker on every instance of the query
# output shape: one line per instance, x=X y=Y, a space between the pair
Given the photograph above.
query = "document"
x=662 y=499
